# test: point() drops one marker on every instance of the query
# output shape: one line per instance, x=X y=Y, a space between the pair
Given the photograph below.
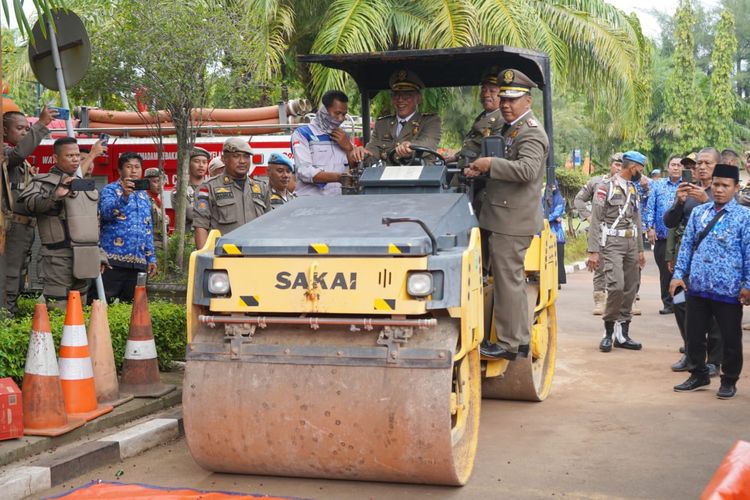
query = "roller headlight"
x=218 y=283
x=419 y=284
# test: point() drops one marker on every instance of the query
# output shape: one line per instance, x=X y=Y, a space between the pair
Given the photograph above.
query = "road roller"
x=338 y=337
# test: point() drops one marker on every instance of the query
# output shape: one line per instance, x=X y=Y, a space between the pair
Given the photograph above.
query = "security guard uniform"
x=615 y=232
x=69 y=233
x=421 y=129
x=21 y=231
x=225 y=204
x=511 y=213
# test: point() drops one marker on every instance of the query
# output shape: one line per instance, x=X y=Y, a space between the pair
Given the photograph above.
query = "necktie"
x=401 y=124
x=505 y=129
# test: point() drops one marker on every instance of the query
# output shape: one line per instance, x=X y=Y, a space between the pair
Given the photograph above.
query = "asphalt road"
x=612 y=428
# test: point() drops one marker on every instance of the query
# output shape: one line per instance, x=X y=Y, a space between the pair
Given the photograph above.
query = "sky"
x=643 y=7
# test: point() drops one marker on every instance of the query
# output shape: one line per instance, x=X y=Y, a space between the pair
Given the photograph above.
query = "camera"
x=141 y=184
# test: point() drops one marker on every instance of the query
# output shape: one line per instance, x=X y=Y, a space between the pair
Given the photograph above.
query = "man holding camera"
x=127 y=229
x=66 y=210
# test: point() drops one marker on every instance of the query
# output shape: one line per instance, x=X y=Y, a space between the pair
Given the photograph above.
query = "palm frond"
x=453 y=24
x=350 y=26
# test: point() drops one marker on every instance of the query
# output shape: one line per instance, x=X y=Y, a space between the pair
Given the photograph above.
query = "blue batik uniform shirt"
x=126 y=229
x=659 y=201
x=720 y=267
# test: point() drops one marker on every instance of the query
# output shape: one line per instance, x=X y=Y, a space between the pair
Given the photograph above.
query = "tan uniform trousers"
x=17 y=253
x=56 y=272
x=621 y=270
x=600 y=281
x=507 y=255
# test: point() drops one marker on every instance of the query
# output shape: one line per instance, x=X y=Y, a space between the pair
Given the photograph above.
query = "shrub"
x=168 y=321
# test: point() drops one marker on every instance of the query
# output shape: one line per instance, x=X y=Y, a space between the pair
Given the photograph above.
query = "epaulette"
x=428 y=114
x=50 y=177
x=386 y=117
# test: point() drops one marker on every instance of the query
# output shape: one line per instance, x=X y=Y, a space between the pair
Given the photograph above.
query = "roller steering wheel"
x=417 y=152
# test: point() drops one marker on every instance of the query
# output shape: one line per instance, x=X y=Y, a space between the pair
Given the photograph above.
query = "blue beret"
x=635 y=156
x=281 y=159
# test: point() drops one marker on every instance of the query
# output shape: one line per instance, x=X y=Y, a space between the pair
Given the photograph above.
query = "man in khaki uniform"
x=197 y=169
x=616 y=238
x=408 y=126
x=22 y=140
x=68 y=226
x=488 y=122
x=228 y=201
x=155 y=191
x=585 y=195
x=511 y=212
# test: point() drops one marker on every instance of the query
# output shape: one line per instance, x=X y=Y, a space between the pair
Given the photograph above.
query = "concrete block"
x=69 y=464
x=21 y=482
x=144 y=436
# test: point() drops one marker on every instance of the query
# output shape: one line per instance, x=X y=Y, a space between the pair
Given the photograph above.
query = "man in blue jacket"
x=715 y=252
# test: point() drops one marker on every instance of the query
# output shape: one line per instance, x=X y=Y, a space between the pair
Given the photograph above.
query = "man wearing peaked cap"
x=616 y=237
x=583 y=197
x=197 y=170
x=228 y=201
x=488 y=122
x=280 y=175
x=716 y=251
x=408 y=126
x=510 y=213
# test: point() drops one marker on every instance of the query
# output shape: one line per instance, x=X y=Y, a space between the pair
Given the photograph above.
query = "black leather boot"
x=606 y=344
x=623 y=340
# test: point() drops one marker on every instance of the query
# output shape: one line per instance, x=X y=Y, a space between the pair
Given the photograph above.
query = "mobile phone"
x=679 y=296
x=687 y=175
x=83 y=185
x=62 y=113
x=141 y=184
x=104 y=138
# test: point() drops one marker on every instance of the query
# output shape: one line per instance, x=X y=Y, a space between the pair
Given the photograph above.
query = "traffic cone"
x=76 y=371
x=43 y=406
x=140 y=368
x=102 y=358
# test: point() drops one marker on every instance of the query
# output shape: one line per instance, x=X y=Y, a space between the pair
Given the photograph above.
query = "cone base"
x=147 y=390
x=73 y=423
x=119 y=399
x=91 y=415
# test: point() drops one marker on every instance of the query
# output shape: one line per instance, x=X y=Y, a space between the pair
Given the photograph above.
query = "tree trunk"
x=181 y=120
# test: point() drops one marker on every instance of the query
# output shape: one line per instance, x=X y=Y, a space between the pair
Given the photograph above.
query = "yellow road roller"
x=337 y=337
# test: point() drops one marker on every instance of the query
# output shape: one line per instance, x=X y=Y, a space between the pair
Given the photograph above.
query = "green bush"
x=168 y=321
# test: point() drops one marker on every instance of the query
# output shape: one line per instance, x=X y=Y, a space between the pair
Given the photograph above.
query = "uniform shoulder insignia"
x=532 y=122
x=429 y=114
x=386 y=117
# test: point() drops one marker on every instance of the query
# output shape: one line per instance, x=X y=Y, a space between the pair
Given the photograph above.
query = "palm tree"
x=592 y=45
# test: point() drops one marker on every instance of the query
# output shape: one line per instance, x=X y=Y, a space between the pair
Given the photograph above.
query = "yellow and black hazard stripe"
x=249 y=300
x=385 y=304
x=394 y=249
x=231 y=249
x=317 y=248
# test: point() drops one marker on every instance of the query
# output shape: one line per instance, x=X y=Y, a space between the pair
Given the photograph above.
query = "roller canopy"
x=455 y=67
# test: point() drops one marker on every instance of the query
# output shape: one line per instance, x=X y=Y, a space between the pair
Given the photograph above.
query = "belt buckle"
x=629 y=233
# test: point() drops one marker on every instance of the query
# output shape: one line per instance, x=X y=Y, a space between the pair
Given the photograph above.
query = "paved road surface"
x=612 y=428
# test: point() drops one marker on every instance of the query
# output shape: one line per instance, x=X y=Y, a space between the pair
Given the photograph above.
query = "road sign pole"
x=60 y=78
x=69 y=124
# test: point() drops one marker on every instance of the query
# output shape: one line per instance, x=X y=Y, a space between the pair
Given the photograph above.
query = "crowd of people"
x=692 y=216
x=694 y=219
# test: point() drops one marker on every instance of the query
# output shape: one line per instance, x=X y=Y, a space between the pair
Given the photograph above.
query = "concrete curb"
x=64 y=465
x=576 y=266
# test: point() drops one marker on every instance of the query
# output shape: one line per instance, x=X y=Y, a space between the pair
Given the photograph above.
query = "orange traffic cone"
x=140 y=368
x=76 y=371
x=103 y=359
x=43 y=406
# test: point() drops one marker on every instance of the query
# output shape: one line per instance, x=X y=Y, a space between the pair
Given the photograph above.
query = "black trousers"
x=660 y=252
x=119 y=283
x=715 y=345
x=700 y=312
x=561 y=276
